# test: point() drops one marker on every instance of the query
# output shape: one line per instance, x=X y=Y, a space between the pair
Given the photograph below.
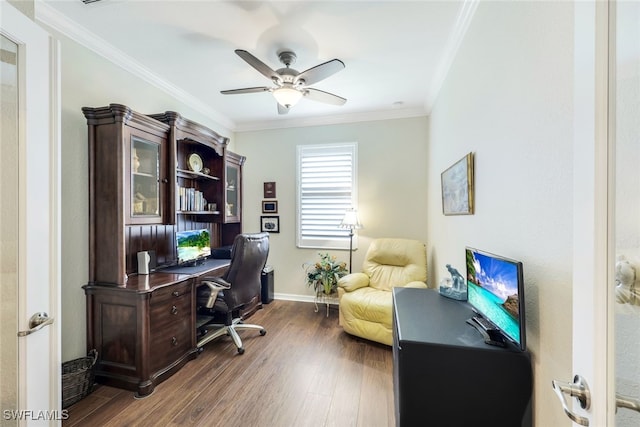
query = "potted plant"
x=323 y=275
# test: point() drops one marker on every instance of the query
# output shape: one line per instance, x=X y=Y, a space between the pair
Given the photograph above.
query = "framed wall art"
x=270 y=224
x=269 y=206
x=457 y=187
x=269 y=190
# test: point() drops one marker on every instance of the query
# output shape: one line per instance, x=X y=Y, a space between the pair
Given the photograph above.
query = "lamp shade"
x=351 y=220
x=287 y=96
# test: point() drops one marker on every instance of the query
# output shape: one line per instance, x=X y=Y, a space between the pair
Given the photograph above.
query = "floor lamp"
x=351 y=222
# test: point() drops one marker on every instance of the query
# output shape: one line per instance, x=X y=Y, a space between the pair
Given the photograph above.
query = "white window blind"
x=326 y=189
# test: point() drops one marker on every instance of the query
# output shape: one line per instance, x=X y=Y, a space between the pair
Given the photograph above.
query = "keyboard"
x=486 y=325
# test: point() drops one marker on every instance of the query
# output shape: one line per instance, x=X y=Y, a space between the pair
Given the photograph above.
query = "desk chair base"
x=222 y=329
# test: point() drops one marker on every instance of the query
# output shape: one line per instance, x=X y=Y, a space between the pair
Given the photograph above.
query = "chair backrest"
x=248 y=258
x=395 y=262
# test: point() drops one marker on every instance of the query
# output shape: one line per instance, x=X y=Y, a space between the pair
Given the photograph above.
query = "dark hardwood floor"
x=304 y=372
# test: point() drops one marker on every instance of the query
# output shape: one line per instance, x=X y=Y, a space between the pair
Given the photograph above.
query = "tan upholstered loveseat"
x=365 y=298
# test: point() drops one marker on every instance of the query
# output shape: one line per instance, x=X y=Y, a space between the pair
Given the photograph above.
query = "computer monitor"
x=193 y=246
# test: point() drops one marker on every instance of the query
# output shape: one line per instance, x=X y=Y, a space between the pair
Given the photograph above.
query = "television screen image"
x=495 y=289
x=193 y=245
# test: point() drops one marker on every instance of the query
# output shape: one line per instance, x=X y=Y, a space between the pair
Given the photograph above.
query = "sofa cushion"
x=368 y=304
x=395 y=262
x=363 y=314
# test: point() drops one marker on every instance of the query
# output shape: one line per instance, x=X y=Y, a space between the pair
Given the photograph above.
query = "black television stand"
x=491 y=335
x=445 y=375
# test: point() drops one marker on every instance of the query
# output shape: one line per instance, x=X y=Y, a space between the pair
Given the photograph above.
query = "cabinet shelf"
x=182 y=173
x=144 y=175
x=198 y=212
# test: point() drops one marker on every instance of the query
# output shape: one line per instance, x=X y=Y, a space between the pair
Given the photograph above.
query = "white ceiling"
x=396 y=52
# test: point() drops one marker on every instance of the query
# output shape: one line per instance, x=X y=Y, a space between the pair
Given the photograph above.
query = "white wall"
x=88 y=80
x=508 y=99
x=392 y=177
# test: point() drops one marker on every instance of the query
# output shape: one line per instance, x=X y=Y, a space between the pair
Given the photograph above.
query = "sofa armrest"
x=353 y=281
x=416 y=284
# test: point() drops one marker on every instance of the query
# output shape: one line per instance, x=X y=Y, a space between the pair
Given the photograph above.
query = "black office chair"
x=229 y=294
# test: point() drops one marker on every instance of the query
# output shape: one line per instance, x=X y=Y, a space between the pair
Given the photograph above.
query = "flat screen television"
x=495 y=291
x=193 y=246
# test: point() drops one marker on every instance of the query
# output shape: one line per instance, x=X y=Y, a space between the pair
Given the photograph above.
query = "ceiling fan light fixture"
x=287 y=96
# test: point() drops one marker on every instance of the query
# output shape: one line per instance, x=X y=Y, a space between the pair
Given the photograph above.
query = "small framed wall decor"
x=270 y=224
x=457 y=187
x=269 y=206
x=269 y=190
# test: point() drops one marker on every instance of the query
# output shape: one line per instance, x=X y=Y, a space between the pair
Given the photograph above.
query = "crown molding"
x=49 y=16
x=331 y=120
x=456 y=37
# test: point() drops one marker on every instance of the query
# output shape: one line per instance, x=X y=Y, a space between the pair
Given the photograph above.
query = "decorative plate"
x=195 y=162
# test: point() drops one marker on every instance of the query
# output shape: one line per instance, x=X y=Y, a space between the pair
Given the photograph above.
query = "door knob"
x=36 y=322
x=578 y=389
x=628 y=402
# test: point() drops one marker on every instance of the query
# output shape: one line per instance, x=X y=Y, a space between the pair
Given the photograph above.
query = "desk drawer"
x=169 y=343
x=171 y=293
x=172 y=311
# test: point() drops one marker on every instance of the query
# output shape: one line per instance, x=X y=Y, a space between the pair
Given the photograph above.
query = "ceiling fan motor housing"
x=287 y=57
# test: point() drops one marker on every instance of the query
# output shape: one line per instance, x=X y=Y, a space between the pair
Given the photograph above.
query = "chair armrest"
x=416 y=284
x=218 y=280
x=215 y=285
x=353 y=281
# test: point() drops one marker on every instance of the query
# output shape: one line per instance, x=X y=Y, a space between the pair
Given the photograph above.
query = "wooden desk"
x=144 y=331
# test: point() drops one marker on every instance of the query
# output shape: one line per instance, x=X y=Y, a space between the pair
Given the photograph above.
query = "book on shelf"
x=190 y=199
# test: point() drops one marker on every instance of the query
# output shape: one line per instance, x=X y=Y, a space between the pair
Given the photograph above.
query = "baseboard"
x=299 y=298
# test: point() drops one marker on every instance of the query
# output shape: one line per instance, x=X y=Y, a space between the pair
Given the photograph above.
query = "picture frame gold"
x=270 y=206
x=458 y=187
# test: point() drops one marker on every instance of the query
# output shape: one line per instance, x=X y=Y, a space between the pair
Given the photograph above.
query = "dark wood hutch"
x=143 y=326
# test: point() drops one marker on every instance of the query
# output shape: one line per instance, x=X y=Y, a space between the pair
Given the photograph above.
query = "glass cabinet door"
x=145 y=195
x=233 y=190
x=233 y=187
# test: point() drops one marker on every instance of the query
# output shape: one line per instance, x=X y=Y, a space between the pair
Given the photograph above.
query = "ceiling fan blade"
x=322 y=96
x=263 y=68
x=282 y=109
x=245 y=90
x=320 y=72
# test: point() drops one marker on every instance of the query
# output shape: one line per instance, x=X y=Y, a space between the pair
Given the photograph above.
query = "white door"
x=29 y=223
x=604 y=388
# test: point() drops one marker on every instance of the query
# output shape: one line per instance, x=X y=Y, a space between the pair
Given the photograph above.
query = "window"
x=326 y=189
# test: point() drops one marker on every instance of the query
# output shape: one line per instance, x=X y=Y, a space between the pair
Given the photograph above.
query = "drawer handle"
x=176 y=294
x=174 y=309
x=174 y=341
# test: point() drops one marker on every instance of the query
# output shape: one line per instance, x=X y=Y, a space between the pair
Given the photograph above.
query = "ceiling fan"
x=291 y=85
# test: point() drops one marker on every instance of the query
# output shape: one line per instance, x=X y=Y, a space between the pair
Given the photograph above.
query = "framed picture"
x=270 y=224
x=457 y=187
x=269 y=206
x=269 y=190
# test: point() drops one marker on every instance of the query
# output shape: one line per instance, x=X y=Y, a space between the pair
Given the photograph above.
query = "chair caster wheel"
x=200 y=350
x=241 y=350
x=263 y=332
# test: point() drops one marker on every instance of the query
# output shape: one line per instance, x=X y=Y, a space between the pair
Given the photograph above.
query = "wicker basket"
x=77 y=378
